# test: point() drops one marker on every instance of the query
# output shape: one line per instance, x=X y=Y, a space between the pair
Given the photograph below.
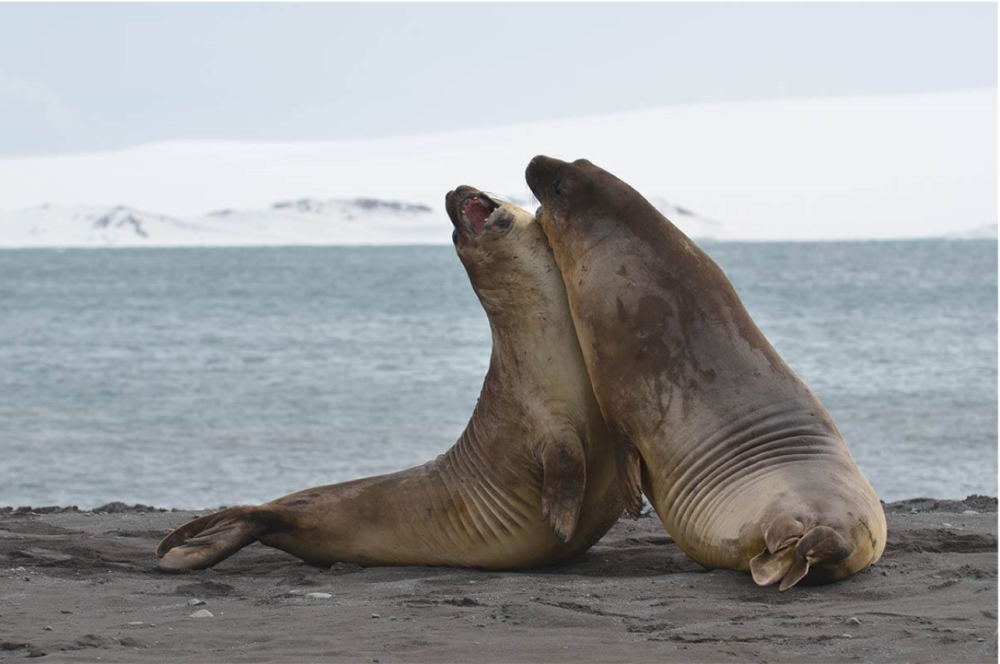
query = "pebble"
x=853 y=621
x=947 y=525
x=203 y=613
x=913 y=510
x=48 y=628
x=375 y=615
x=194 y=601
x=845 y=636
x=319 y=595
x=970 y=512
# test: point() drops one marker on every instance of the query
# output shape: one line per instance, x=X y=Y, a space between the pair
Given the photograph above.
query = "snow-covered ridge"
x=903 y=166
x=298 y=222
x=985 y=232
x=304 y=221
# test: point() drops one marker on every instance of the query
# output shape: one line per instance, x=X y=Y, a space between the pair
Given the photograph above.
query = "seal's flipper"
x=564 y=478
x=822 y=545
x=204 y=542
x=768 y=568
x=795 y=573
x=628 y=465
x=783 y=531
x=789 y=561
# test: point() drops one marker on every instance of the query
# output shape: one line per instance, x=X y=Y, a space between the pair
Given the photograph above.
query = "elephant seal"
x=531 y=481
x=739 y=458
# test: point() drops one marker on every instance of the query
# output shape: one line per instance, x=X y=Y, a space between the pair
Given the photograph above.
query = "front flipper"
x=628 y=466
x=204 y=542
x=564 y=479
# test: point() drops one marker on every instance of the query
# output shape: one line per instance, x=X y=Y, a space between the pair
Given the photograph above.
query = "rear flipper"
x=204 y=542
x=790 y=550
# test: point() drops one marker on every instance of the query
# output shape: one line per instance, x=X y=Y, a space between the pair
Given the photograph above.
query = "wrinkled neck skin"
x=681 y=370
x=534 y=342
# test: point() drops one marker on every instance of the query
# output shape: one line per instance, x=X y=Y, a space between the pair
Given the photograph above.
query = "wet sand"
x=82 y=586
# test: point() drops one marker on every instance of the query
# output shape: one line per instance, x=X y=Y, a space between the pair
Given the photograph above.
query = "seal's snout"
x=473 y=211
x=538 y=174
x=546 y=177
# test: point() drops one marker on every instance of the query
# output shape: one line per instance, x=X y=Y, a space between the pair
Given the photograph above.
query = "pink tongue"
x=476 y=213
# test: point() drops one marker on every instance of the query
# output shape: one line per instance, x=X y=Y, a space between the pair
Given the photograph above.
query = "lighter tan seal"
x=741 y=461
x=530 y=482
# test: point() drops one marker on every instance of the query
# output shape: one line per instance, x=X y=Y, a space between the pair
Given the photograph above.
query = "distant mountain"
x=299 y=222
x=67 y=226
x=986 y=232
x=303 y=221
x=865 y=167
x=693 y=224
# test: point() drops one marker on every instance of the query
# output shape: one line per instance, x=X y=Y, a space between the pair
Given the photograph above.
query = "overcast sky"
x=98 y=77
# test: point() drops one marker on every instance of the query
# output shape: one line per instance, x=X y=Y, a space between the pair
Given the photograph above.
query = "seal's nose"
x=536 y=166
x=453 y=202
x=539 y=173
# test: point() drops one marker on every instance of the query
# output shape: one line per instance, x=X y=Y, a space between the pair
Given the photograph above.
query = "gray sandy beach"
x=83 y=586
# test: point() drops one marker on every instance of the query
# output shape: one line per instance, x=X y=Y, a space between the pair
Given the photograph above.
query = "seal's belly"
x=718 y=495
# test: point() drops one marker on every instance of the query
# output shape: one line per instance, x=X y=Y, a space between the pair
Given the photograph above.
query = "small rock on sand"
x=852 y=621
x=375 y=615
x=203 y=613
x=194 y=601
x=319 y=595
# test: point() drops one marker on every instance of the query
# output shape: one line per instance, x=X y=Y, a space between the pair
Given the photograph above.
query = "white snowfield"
x=833 y=168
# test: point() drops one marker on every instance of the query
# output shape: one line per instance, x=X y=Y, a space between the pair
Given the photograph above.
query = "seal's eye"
x=557 y=189
x=454 y=236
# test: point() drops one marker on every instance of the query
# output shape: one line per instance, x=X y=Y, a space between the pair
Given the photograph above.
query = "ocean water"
x=200 y=377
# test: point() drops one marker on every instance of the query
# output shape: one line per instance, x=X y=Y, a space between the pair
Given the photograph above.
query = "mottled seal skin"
x=530 y=482
x=739 y=458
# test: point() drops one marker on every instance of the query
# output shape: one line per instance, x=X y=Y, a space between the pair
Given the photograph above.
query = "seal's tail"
x=790 y=550
x=209 y=540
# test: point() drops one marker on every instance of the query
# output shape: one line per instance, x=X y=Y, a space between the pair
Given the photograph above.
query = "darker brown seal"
x=739 y=458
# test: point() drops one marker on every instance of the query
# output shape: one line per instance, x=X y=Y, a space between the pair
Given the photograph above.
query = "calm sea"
x=199 y=377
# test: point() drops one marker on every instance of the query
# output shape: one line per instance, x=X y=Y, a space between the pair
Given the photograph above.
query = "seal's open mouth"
x=476 y=211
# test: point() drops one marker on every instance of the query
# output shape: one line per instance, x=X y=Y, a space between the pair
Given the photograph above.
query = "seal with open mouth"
x=739 y=458
x=531 y=480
